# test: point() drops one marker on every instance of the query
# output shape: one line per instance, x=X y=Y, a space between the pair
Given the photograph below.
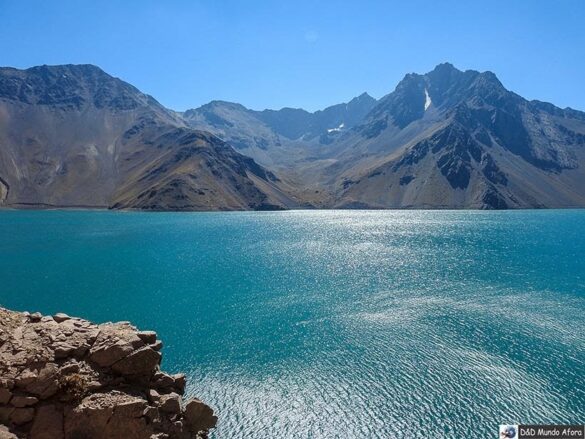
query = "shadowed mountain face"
x=279 y=139
x=75 y=136
x=460 y=139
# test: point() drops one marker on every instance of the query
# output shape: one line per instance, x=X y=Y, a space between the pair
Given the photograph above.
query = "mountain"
x=240 y=128
x=75 y=136
x=323 y=124
x=445 y=139
x=453 y=139
x=278 y=137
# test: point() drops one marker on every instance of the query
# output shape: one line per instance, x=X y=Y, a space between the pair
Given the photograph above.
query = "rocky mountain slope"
x=75 y=136
x=67 y=378
x=278 y=138
x=446 y=139
x=460 y=139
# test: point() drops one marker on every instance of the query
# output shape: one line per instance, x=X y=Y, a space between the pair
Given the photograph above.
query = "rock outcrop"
x=66 y=378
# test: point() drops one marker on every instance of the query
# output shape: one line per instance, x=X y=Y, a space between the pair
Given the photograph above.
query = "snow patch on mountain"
x=339 y=128
x=428 y=101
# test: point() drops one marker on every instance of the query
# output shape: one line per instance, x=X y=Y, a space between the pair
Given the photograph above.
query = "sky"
x=302 y=54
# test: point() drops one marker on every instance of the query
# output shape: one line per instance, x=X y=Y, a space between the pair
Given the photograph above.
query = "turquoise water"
x=331 y=324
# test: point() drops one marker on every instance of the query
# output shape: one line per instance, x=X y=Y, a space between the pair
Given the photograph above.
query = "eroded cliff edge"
x=67 y=378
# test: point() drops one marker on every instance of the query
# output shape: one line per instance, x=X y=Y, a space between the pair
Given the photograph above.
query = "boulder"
x=23 y=401
x=141 y=362
x=35 y=317
x=180 y=382
x=110 y=352
x=131 y=408
x=162 y=380
x=110 y=415
x=157 y=345
x=170 y=403
x=63 y=350
x=199 y=416
x=153 y=396
x=26 y=377
x=70 y=367
x=148 y=337
x=44 y=384
x=61 y=317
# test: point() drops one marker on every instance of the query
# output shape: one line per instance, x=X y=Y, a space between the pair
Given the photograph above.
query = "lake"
x=330 y=324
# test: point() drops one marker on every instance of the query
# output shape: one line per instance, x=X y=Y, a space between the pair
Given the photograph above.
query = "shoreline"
x=81 y=208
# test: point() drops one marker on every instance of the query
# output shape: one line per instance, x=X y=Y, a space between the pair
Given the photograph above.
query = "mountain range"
x=74 y=136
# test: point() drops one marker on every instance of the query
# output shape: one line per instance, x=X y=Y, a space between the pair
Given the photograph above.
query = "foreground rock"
x=67 y=378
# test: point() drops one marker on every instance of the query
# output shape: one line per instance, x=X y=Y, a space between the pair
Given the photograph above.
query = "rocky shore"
x=67 y=378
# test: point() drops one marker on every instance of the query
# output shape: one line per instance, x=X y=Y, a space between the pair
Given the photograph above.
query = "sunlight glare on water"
x=326 y=324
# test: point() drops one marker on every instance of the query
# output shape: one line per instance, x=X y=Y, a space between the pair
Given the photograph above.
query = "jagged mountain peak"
x=362 y=99
x=219 y=102
x=71 y=87
x=442 y=76
x=445 y=66
x=86 y=73
x=444 y=70
x=443 y=88
x=81 y=68
x=49 y=70
x=214 y=106
x=364 y=95
x=410 y=80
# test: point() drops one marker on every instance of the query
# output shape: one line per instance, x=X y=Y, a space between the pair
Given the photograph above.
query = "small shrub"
x=74 y=385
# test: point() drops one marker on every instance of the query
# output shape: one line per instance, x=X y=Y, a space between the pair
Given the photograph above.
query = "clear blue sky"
x=300 y=53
